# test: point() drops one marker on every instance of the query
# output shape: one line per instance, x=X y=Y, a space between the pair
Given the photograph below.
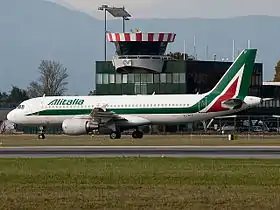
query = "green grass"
x=139 y=183
x=59 y=140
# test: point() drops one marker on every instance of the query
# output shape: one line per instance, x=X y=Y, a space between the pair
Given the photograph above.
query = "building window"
x=149 y=78
x=112 y=78
x=124 y=78
x=118 y=78
x=143 y=89
x=271 y=103
x=175 y=78
x=156 y=78
x=143 y=78
x=169 y=78
x=137 y=78
x=163 y=78
x=146 y=78
x=105 y=78
x=137 y=88
x=130 y=78
x=182 y=78
x=99 y=79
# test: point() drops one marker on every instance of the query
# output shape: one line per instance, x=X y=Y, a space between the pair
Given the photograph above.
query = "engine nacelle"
x=79 y=126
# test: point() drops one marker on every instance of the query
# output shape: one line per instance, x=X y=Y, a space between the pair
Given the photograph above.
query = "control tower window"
x=141 y=48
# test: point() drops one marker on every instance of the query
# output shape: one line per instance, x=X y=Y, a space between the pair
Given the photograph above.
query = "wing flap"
x=104 y=115
x=233 y=103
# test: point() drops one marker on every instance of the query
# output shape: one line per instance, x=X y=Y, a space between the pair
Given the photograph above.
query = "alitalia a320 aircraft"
x=84 y=114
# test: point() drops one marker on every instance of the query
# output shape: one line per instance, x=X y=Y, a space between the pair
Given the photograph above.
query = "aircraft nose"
x=10 y=116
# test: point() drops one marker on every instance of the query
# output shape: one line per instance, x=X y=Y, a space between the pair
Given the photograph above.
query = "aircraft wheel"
x=41 y=136
x=137 y=134
x=140 y=134
x=115 y=135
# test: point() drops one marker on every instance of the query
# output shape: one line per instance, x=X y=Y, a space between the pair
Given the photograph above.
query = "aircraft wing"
x=103 y=115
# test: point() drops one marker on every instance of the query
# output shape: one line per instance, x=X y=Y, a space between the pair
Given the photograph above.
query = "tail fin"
x=236 y=81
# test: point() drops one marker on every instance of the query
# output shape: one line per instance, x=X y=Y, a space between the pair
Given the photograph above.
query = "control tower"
x=140 y=52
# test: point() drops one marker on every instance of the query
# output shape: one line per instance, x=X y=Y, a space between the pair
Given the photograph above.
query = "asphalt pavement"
x=143 y=151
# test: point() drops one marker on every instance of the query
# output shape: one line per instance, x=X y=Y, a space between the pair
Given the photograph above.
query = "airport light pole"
x=115 y=12
x=124 y=19
x=104 y=8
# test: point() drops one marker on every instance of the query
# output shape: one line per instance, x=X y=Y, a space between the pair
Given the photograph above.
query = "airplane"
x=79 y=115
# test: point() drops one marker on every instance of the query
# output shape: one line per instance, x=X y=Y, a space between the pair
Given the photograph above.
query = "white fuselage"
x=152 y=109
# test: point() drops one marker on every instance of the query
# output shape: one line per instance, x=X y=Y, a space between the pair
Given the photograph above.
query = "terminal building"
x=141 y=66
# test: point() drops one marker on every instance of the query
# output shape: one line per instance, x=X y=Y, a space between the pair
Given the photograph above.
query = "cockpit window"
x=20 y=106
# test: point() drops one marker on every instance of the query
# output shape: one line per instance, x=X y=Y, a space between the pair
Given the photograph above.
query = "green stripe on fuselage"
x=152 y=110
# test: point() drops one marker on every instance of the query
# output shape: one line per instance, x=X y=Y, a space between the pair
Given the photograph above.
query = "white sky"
x=179 y=8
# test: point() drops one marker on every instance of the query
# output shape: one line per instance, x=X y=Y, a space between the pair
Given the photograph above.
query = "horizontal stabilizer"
x=226 y=116
x=267 y=99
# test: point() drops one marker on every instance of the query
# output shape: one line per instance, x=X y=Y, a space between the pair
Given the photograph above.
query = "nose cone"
x=11 y=116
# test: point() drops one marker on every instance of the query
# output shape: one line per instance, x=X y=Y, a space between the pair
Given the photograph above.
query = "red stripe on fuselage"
x=217 y=106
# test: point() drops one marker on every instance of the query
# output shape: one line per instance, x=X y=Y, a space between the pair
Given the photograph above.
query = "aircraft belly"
x=45 y=120
x=166 y=118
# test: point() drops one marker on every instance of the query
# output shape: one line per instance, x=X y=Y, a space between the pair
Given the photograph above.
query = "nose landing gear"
x=41 y=134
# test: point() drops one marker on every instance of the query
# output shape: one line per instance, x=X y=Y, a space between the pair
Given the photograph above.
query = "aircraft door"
x=202 y=104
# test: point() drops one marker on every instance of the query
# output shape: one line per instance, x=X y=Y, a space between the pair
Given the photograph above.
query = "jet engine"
x=79 y=126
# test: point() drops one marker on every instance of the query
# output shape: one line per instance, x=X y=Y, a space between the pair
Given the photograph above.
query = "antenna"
x=248 y=44
x=194 y=50
x=206 y=52
x=43 y=99
x=233 y=50
x=184 y=50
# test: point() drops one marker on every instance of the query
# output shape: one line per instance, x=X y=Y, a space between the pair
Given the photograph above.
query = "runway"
x=143 y=151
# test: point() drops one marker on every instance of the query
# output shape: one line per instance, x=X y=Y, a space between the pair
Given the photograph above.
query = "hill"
x=32 y=30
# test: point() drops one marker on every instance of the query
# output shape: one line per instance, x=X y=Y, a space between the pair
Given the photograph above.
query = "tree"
x=92 y=93
x=277 y=72
x=52 y=80
x=180 y=56
x=17 y=95
x=3 y=99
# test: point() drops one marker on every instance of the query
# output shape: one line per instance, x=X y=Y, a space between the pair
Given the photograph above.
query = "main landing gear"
x=137 y=134
x=41 y=134
x=117 y=134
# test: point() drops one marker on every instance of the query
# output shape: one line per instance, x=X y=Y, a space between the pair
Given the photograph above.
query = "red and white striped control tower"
x=140 y=51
